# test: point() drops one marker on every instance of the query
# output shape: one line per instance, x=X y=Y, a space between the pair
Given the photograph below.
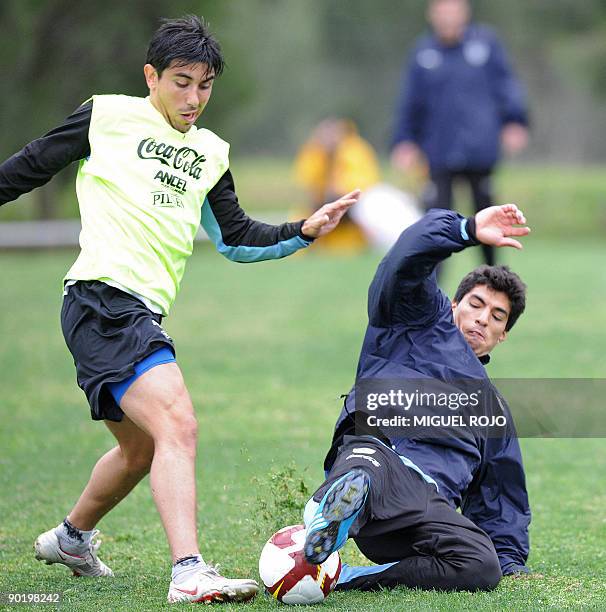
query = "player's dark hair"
x=186 y=40
x=497 y=278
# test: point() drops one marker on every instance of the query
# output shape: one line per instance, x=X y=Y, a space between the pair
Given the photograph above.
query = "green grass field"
x=266 y=350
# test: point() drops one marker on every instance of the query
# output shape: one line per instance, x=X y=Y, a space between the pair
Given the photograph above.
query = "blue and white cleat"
x=328 y=527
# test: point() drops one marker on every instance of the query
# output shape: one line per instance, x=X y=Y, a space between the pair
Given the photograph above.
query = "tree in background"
x=291 y=63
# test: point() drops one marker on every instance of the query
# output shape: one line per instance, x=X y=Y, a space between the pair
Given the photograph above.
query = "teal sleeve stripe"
x=464 y=233
x=247 y=254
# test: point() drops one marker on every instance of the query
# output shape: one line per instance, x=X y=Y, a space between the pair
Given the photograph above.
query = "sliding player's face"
x=180 y=93
x=481 y=317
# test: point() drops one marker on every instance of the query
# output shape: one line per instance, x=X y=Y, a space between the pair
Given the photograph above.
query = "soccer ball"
x=288 y=576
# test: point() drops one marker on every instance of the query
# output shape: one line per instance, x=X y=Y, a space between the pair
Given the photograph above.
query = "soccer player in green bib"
x=147 y=178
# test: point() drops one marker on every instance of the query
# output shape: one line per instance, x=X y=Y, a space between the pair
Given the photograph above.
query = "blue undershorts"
x=162 y=355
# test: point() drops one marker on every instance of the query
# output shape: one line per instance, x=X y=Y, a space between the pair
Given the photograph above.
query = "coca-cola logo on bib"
x=185 y=159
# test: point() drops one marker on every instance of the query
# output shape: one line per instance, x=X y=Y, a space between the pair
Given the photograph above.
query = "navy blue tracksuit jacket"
x=411 y=334
x=454 y=100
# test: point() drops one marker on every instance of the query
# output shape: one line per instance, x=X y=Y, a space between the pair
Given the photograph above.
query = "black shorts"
x=107 y=332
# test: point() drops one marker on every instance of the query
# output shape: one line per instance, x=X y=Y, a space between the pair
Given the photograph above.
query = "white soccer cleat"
x=88 y=564
x=208 y=586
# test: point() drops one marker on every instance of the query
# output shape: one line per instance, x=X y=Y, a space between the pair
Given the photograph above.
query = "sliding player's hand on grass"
x=325 y=219
x=497 y=224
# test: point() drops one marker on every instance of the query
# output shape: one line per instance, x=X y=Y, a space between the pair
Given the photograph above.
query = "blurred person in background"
x=333 y=159
x=460 y=105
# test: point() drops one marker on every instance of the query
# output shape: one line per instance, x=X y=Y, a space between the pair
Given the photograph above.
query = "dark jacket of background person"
x=455 y=100
x=411 y=335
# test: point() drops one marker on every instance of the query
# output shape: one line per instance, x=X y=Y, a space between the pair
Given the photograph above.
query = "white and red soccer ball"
x=288 y=576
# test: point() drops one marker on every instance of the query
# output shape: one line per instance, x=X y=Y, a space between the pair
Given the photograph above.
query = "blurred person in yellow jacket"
x=333 y=159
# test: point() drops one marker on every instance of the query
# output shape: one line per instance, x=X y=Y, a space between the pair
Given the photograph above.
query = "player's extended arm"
x=242 y=239
x=404 y=289
x=42 y=158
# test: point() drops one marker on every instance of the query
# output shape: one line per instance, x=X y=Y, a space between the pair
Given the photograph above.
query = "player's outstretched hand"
x=497 y=224
x=325 y=219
